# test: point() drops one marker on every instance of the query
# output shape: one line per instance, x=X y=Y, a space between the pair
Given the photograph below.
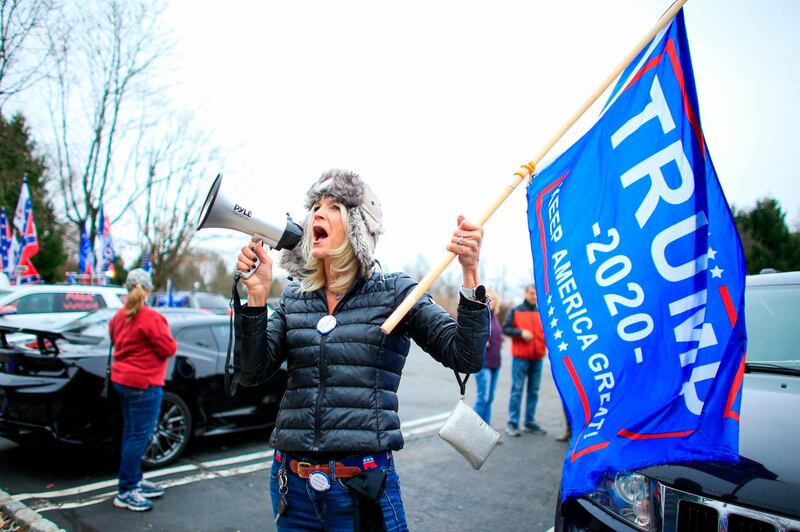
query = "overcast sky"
x=437 y=103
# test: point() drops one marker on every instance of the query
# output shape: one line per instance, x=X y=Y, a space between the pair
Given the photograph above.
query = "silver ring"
x=460 y=241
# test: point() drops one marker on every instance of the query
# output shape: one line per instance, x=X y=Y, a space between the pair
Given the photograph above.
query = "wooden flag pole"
x=528 y=169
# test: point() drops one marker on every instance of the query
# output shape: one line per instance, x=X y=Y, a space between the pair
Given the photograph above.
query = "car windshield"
x=772 y=336
x=212 y=301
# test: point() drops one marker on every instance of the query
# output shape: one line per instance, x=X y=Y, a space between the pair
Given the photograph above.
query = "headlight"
x=627 y=495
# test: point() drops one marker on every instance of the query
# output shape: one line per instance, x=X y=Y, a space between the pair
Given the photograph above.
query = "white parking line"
x=102 y=484
x=422 y=430
x=238 y=459
x=423 y=420
x=204 y=475
x=414 y=426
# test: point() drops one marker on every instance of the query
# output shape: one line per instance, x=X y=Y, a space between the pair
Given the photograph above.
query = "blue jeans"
x=333 y=510
x=486 y=381
x=520 y=371
x=140 y=409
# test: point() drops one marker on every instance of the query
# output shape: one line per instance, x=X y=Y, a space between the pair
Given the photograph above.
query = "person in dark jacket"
x=338 y=422
x=524 y=326
x=142 y=344
x=486 y=378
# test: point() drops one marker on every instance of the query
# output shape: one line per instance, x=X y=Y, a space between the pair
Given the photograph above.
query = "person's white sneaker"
x=512 y=432
x=133 y=501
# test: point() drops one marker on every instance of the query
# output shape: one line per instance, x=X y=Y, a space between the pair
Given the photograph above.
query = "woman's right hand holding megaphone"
x=258 y=284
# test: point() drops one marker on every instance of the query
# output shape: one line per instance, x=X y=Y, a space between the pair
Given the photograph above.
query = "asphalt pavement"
x=221 y=484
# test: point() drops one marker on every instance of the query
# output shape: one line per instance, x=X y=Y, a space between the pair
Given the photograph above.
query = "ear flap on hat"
x=362 y=240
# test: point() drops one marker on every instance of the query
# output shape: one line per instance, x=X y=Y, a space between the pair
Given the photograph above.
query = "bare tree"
x=445 y=291
x=175 y=159
x=23 y=51
x=105 y=55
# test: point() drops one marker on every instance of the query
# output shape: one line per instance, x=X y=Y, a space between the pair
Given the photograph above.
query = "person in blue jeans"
x=524 y=325
x=142 y=344
x=486 y=378
x=338 y=424
x=335 y=507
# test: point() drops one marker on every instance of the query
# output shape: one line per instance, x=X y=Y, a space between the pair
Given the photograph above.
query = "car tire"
x=172 y=433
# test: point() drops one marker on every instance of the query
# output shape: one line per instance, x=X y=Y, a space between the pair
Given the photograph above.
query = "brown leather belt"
x=304 y=469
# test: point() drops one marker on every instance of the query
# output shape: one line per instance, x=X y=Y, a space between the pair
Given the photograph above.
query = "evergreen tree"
x=17 y=159
x=767 y=240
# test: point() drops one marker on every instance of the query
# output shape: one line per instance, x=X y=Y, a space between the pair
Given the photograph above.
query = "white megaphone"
x=221 y=211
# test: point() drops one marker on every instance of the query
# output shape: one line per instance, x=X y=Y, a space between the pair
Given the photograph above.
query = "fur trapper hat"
x=365 y=213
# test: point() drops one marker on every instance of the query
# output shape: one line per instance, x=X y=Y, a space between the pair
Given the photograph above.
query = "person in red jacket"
x=142 y=344
x=524 y=326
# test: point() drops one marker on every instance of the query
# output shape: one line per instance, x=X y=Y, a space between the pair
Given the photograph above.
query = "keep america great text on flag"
x=640 y=279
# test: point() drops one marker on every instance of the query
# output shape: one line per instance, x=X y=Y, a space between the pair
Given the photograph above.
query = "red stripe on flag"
x=690 y=114
x=669 y=48
x=726 y=300
x=590 y=449
x=578 y=386
x=547 y=189
x=634 y=436
x=650 y=65
x=734 y=391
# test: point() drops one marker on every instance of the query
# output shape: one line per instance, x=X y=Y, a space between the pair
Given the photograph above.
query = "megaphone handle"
x=249 y=273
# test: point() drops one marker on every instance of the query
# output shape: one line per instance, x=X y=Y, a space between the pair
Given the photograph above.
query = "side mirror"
x=7 y=310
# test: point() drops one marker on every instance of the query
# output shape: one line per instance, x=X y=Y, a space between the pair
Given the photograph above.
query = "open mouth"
x=320 y=234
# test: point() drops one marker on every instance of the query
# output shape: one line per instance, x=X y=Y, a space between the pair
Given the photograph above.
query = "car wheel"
x=172 y=432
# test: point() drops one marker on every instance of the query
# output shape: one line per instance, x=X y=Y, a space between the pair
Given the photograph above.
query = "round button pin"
x=326 y=324
x=319 y=481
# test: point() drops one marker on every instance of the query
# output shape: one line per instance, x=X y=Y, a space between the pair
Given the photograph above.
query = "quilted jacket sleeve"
x=459 y=344
x=260 y=341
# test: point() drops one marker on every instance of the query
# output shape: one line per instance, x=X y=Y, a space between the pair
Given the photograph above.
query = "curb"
x=24 y=516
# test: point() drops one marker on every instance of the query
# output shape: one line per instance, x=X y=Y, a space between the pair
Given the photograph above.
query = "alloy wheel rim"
x=169 y=435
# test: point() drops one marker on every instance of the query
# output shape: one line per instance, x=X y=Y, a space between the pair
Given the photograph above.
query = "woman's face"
x=327 y=228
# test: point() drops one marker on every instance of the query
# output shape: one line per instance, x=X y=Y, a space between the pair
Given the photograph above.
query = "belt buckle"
x=303 y=465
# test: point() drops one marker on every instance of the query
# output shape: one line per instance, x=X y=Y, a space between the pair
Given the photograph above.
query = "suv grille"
x=740 y=523
x=696 y=518
x=686 y=512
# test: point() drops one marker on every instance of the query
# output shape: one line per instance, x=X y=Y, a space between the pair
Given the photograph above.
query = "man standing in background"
x=524 y=326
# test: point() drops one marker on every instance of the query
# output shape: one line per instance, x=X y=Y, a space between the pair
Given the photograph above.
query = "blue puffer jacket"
x=341 y=394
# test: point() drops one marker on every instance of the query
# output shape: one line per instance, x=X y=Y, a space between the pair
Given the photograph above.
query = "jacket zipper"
x=318 y=413
x=318 y=416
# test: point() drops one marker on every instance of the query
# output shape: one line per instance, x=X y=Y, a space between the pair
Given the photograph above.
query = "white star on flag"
x=549 y=299
x=562 y=346
x=712 y=253
x=550 y=312
x=553 y=322
x=557 y=334
x=717 y=272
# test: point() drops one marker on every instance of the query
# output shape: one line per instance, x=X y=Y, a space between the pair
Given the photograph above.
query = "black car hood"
x=768 y=475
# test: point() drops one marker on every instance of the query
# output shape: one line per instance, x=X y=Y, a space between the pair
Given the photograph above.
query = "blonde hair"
x=344 y=263
x=495 y=299
x=135 y=301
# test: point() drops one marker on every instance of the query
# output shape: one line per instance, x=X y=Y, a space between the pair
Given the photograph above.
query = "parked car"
x=206 y=301
x=86 y=323
x=46 y=306
x=53 y=392
x=762 y=491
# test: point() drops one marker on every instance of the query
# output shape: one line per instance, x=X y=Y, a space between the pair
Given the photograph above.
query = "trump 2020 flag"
x=29 y=242
x=104 y=244
x=5 y=243
x=86 y=256
x=640 y=279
